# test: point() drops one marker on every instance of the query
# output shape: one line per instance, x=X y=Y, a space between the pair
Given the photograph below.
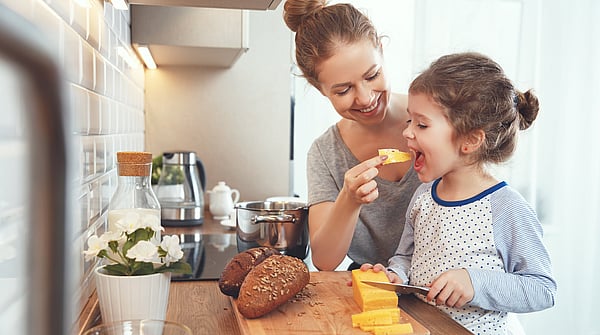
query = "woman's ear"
x=472 y=142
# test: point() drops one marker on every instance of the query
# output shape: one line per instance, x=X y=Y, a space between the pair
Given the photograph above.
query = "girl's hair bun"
x=527 y=105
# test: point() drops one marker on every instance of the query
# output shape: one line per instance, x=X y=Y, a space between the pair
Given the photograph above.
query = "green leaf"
x=113 y=245
x=177 y=267
x=142 y=234
x=128 y=245
x=117 y=269
x=142 y=268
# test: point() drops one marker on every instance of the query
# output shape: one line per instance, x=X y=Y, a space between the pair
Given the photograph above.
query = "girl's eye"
x=419 y=125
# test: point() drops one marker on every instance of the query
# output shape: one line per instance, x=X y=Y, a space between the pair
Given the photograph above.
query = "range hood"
x=232 y=4
x=185 y=36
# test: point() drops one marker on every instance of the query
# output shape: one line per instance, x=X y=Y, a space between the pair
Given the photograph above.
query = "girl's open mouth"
x=419 y=160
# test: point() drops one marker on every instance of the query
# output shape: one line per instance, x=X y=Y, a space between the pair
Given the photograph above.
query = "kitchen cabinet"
x=234 y=4
x=186 y=36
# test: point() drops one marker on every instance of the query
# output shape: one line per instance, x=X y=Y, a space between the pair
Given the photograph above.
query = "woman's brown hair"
x=477 y=95
x=320 y=29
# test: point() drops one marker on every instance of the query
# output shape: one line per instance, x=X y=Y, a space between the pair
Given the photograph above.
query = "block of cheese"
x=369 y=297
x=397 y=328
x=377 y=317
x=394 y=156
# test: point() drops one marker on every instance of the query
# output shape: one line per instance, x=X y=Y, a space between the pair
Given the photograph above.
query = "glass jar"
x=134 y=197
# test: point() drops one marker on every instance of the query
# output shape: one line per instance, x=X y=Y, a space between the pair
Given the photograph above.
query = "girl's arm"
x=527 y=285
x=400 y=262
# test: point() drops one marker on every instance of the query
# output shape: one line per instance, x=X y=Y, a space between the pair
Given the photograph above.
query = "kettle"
x=180 y=189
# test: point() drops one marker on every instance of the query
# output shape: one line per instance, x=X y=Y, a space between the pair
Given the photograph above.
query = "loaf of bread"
x=239 y=266
x=271 y=284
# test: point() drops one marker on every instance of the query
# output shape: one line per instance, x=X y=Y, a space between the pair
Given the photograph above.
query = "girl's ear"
x=472 y=142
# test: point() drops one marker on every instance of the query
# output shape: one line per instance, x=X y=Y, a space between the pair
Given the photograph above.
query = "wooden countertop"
x=201 y=306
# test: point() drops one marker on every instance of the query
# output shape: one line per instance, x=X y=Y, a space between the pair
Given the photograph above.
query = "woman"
x=357 y=205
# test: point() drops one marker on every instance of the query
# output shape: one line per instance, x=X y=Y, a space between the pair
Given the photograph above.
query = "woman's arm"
x=332 y=224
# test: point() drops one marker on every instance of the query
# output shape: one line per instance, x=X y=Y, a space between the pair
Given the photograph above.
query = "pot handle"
x=273 y=218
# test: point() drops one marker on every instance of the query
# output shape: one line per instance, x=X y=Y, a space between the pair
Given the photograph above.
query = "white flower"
x=143 y=251
x=95 y=245
x=139 y=234
x=129 y=223
x=170 y=244
x=114 y=236
x=152 y=222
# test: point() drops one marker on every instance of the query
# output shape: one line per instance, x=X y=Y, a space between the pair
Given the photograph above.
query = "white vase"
x=132 y=297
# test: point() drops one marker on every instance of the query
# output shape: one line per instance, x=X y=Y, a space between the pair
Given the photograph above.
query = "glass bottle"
x=134 y=197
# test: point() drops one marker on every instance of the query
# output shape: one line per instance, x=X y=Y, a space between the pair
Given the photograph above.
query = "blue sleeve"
x=527 y=284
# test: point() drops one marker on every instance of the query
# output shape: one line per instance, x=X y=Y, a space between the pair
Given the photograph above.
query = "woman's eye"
x=373 y=77
x=421 y=126
x=344 y=92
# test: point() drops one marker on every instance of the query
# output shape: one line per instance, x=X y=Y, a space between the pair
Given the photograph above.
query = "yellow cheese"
x=398 y=328
x=369 y=297
x=377 y=317
x=394 y=156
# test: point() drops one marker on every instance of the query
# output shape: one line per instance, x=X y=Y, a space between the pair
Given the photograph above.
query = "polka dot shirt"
x=495 y=236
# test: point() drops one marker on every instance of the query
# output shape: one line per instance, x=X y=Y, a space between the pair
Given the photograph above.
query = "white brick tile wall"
x=104 y=98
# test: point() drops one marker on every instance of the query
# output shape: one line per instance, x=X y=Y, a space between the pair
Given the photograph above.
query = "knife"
x=399 y=288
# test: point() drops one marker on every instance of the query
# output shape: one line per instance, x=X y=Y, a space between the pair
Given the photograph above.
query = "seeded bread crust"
x=239 y=266
x=271 y=284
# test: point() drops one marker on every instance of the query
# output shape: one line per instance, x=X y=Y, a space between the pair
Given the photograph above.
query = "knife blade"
x=399 y=288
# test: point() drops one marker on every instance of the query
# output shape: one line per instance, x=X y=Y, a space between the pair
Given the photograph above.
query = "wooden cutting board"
x=324 y=306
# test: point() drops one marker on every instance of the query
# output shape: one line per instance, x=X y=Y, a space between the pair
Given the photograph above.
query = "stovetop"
x=208 y=254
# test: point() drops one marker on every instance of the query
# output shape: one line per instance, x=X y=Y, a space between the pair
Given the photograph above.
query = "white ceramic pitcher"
x=222 y=198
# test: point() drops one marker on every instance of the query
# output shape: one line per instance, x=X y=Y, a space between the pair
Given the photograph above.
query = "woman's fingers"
x=359 y=180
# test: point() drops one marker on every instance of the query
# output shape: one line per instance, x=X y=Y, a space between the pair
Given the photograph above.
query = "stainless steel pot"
x=279 y=224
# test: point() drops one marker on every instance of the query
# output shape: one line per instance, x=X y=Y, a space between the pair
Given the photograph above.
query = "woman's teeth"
x=368 y=109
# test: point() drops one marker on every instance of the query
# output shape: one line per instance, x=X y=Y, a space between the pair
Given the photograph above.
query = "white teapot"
x=221 y=200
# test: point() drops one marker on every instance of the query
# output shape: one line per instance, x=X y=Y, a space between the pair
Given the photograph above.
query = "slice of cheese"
x=394 y=156
x=398 y=328
x=377 y=317
x=369 y=297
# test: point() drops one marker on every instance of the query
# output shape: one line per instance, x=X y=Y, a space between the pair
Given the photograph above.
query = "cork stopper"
x=134 y=163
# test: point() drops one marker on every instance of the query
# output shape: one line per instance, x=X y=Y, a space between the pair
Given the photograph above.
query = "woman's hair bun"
x=296 y=11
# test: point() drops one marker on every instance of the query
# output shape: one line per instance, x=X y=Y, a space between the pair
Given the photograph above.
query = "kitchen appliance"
x=180 y=189
x=208 y=254
x=279 y=224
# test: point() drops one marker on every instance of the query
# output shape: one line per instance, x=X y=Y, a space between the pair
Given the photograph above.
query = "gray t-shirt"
x=380 y=223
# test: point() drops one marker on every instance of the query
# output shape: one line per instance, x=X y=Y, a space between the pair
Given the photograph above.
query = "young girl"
x=468 y=236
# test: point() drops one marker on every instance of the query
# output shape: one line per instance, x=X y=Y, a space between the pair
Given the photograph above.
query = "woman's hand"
x=358 y=181
x=452 y=288
x=392 y=277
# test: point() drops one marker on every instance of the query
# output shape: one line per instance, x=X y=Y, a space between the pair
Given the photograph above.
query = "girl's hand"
x=452 y=288
x=358 y=181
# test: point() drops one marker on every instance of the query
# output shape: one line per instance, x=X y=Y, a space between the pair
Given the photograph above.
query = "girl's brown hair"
x=477 y=95
x=320 y=29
